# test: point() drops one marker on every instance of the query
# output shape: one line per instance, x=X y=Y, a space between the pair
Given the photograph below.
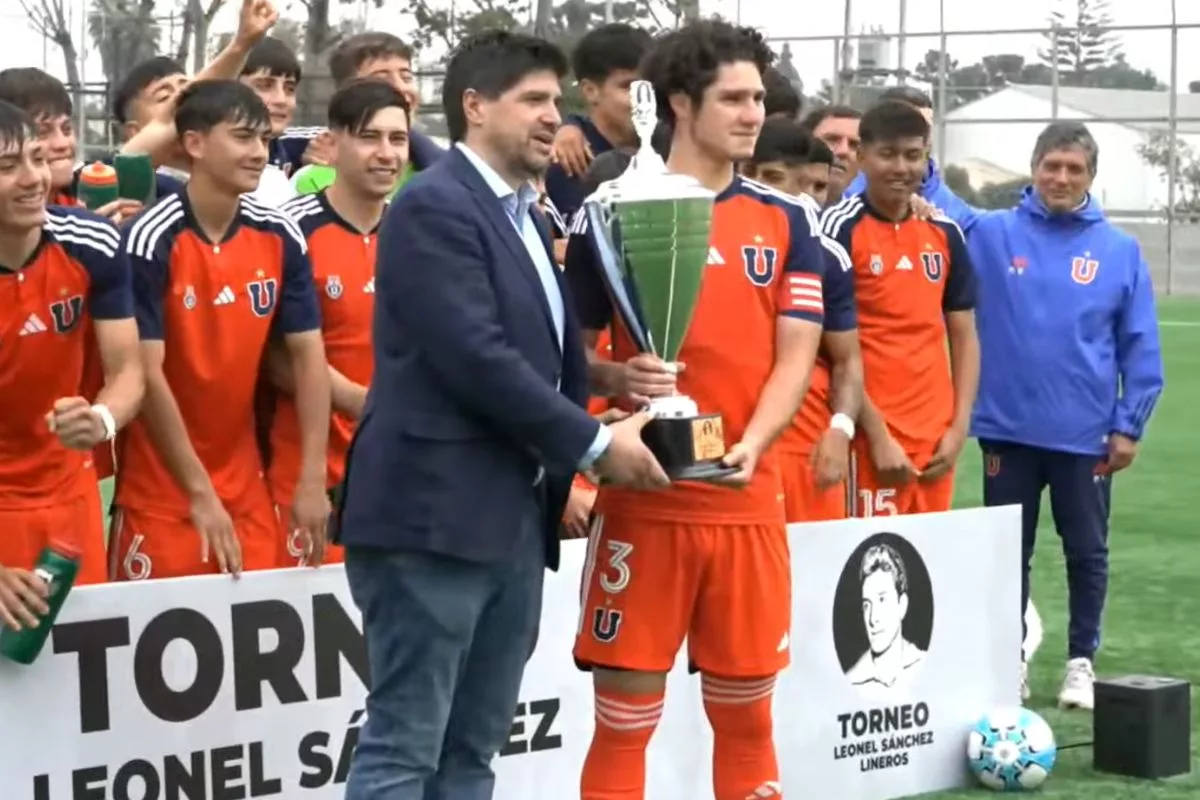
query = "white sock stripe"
x=637 y=708
x=733 y=699
x=641 y=725
x=735 y=687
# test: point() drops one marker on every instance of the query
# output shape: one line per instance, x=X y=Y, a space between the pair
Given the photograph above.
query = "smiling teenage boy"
x=915 y=288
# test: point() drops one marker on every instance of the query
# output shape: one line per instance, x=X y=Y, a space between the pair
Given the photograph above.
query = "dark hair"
x=35 y=92
x=607 y=166
x=204 y=105
x=782 y=98
x=354 y=105
x=818 y=115
x=906 y=94
x=892 y=121
x=352 y=53
x=820 y=153
x=782 y=140
x=1065 y=135
x=607 y=49
x=142 y=75
x=490 y=63
x=660 y=140
x=686 y=60
x=16 y=126
x=273 y=57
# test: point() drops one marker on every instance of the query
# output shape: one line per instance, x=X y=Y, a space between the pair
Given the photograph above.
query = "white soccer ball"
x=1011 y=750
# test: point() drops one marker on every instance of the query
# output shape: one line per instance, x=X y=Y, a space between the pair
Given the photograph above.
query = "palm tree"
x=125 y=32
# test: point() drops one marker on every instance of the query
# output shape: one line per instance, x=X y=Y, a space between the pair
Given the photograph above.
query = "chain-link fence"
x=989 y=111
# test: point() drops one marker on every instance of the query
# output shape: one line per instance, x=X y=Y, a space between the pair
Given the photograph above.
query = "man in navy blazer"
x=473 y=430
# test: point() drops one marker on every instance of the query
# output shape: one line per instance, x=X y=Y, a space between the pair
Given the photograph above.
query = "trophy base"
x=688 y=446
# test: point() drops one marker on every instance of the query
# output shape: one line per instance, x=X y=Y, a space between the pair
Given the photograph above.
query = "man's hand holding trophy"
x=650 y=231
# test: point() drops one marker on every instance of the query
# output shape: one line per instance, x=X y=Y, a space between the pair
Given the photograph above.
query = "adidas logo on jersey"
x=370 y=287
x=224 y=297
x=714 y=258
x=904 y=264
x=33 y=325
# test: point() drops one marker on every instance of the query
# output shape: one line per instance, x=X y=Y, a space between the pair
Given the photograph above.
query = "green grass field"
x=1154 y=599
x=1150 y=625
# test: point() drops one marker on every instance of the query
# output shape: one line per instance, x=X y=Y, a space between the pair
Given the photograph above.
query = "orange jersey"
x=213 y=305
x=78 y=273
x=765 y=260
x=343 y=263
x=812 y=420
x=907 y=276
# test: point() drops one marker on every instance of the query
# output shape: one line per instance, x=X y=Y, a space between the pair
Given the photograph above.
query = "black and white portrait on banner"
x=883 y=614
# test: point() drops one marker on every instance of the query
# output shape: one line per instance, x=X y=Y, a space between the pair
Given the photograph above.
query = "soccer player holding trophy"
x=706 y=270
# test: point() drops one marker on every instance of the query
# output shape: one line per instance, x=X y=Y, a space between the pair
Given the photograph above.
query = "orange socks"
x=744 y=764
x=615 y=768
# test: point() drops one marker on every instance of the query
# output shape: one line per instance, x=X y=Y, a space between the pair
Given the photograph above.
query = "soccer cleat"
x=1077 y=688
x=1024 y=681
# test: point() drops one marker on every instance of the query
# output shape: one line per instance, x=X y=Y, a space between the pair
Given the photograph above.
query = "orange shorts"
x=802 y=500
x=151 y=545
x=25 y=532
x=290 y=551
x=872 y=499
x=648 y=585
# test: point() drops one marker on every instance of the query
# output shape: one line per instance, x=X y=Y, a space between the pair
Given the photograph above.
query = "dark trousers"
x=447 y=642
x=1015 y=474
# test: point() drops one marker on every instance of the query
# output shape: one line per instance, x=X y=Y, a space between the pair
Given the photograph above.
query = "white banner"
x=211 y=689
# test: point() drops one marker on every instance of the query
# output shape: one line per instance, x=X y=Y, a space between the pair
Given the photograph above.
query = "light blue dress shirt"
x=518 y=204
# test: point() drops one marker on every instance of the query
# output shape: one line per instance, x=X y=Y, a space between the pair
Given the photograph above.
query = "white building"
x=1001 y=142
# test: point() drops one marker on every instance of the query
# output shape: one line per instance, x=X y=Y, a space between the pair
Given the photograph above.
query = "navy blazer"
x=463 y=413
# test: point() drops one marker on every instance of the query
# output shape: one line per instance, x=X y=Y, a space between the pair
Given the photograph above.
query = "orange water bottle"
x=98 y=185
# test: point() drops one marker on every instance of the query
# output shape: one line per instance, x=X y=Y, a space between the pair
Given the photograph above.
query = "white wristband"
x=110 y=423
x=843 y=423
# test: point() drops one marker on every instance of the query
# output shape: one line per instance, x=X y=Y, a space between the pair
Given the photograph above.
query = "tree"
x=124 y=32
x=1081 y=39
x=1001 y=195
x=959 y=182
x=1156 y=152
x=193 y=40
x=562 y=22
x=966 y=84
x=49 y=18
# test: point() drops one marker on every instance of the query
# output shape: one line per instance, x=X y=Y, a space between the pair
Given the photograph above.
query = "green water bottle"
x=57 y=566
x=135 y=176
x=98 y=185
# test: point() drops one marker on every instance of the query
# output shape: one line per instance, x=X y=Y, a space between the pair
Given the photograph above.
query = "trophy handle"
x=601 y=234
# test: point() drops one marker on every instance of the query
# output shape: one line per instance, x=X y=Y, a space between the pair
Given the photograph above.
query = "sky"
x=799 y=18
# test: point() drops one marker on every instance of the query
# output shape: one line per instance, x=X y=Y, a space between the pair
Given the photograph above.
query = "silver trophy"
x=650 y=231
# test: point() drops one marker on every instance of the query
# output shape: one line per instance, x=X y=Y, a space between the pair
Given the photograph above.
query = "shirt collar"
x=516 y=202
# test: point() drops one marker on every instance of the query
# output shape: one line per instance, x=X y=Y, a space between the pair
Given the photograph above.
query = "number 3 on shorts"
x=615 y=578
x=878 y=503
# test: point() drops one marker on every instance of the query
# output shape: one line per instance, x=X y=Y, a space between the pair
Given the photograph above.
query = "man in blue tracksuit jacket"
x=1071 y=370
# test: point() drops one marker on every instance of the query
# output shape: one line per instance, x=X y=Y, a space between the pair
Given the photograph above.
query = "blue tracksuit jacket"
x=1067 y=328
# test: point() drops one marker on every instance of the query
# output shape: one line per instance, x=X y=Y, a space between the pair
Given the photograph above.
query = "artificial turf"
x=1152 y=621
